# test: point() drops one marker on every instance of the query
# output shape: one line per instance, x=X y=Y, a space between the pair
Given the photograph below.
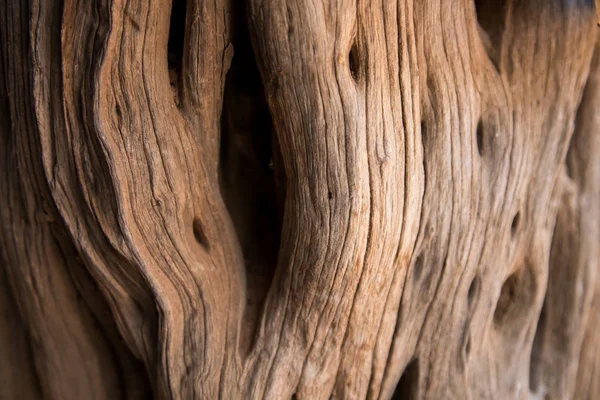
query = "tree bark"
x=370 y=199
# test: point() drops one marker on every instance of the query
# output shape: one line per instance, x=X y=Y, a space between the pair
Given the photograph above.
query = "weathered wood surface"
x=408 y=205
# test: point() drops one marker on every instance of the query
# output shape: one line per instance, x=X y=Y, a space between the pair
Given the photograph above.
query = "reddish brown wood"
x=299 y=199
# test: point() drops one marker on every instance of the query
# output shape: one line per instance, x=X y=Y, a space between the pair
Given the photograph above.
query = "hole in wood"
x=199 y=233
x=516 y=298
x=515 y=223
x=418 y=267
x=473 y=290
x=479 y=137
x=176 y=40
x=354 y=62
x=408 y=385
x=508 y=295
x=491 y=16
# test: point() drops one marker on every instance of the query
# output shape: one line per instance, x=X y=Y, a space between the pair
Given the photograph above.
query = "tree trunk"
x=370 y=199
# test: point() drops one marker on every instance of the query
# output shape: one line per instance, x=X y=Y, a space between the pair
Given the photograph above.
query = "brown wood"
x=299 y=199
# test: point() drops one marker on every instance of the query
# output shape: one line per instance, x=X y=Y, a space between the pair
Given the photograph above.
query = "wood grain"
x=299 y=199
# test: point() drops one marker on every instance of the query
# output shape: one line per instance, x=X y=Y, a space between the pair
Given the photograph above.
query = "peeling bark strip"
x=379 y=199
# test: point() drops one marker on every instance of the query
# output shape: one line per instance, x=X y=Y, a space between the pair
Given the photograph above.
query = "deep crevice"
x=408 y=385
x=491 y=16
x=251 y=173
x=176 y=41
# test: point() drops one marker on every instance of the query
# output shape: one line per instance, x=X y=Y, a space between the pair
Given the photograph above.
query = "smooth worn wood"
x=299 y=199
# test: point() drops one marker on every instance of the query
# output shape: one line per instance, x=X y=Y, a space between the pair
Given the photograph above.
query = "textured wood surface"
x=299 y=199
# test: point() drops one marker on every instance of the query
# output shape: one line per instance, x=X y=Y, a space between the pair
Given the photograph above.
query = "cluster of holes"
x=407 y=387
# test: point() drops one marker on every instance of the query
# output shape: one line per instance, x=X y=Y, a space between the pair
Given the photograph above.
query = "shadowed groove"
x=408 y=385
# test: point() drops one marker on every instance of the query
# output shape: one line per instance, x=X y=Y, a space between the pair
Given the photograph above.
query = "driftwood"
x=370 y=199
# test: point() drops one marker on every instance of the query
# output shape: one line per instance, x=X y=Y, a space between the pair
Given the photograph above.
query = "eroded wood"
x=433 y=170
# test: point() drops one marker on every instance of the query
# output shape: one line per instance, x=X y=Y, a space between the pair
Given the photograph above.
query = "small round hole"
x=479 y=136
x=199 y=234
x=515 y=223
